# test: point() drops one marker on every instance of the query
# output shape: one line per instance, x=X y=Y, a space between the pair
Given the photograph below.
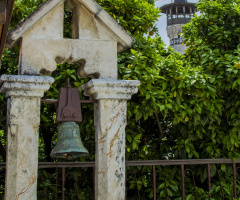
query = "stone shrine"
x=96 y=40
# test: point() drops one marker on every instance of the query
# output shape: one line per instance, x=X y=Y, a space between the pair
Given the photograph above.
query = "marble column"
x=110 y=121
x=23 y=117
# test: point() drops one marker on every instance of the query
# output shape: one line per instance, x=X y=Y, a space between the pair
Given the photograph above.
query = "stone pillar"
x=110 y=121
x=23 y=117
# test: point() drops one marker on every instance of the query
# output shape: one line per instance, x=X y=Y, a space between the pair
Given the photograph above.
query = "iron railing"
x=176 y=41
x=181 y=163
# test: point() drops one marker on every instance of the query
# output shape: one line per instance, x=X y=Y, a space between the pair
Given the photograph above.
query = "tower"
x=178 y=13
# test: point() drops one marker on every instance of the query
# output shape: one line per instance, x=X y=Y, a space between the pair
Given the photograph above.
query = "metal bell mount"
x=69 y=144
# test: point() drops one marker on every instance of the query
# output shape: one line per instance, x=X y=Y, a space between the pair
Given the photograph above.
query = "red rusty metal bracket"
x=68 y=104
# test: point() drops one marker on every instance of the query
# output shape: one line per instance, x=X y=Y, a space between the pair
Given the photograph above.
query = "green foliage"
x=136 y=16
x=213 y=40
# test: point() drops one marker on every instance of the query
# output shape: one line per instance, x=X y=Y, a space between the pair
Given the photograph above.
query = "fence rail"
x=154 y=164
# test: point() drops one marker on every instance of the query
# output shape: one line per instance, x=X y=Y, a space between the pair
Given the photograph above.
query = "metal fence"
x=183 y=165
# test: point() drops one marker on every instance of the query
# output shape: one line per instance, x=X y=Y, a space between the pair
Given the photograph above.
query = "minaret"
x=178 y=13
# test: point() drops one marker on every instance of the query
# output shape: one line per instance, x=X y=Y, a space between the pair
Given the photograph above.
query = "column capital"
x=110 y=88
x=26 y=86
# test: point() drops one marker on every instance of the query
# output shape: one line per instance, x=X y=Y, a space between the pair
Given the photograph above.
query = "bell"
x=69 y=144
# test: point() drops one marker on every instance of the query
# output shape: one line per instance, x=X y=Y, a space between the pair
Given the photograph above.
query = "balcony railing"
x=179 y=19
x=176 y=41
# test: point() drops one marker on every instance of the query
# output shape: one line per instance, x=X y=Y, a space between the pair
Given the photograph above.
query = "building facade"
x=178 y=13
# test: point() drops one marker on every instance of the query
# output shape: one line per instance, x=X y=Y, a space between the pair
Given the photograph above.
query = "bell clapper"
x=69 y=156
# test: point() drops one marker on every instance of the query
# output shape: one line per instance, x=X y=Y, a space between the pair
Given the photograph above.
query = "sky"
x=162 y=20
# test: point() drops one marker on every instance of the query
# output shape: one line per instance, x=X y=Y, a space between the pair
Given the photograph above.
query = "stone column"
x=110 y=122
x=23 y=117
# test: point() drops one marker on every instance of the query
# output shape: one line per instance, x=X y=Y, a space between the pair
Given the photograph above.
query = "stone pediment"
x=96 y=39
x=95 y=19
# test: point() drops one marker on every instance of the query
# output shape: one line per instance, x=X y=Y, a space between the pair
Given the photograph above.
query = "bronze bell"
x=69 y=143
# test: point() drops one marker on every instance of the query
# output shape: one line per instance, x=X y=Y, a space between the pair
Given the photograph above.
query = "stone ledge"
x=110 y=88
x=26 y=79
x=23 y=85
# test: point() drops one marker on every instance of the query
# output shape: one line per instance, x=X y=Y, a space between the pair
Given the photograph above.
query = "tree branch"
x=162 y=132
x=159 y=127
x=2 y=152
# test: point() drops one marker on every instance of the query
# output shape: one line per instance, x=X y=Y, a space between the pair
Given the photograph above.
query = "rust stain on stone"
x=101 y=150
x=112 y=120
x=103 y=173
x=116 y=136
x=100 y=140
x=105 y=105
x=24 y=190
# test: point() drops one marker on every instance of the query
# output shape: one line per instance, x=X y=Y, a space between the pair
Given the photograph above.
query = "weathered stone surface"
x=23 y=117
x=173 y=32
x=100 y=58
x=50 y=26
x=110 y=88
x=38 y=55
x=86 y=25
x=100 y=23
x=180 y=48
x=97 y=59
x=97 y=38
x=18 y=31
x=22 y=85
x=110 y=122
x=103 y=19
